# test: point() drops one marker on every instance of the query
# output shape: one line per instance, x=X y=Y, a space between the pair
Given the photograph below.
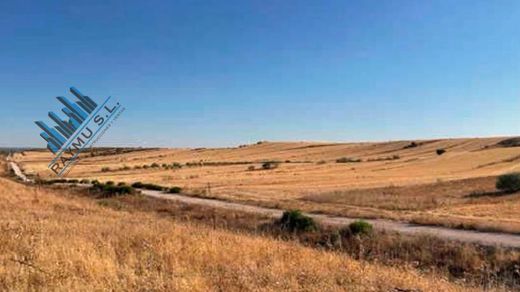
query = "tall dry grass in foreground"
x=50 y=240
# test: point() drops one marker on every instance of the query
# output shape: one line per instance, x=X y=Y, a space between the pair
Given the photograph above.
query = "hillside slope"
x=51 y=240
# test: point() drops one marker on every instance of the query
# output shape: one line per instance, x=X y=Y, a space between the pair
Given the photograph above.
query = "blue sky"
x=221 y=73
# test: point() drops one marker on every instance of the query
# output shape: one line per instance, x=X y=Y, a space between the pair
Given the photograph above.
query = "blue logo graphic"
x=85 y=123
x=77 y=113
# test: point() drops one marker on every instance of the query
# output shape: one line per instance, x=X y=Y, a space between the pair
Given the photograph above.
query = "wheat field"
x=396 y=180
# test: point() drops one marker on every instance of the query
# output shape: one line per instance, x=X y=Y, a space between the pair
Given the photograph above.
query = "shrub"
x=347 y=160
x=155 y=165
x=72 y=181
x=137 y=185
x=174 y=190
x=411 y=145
x=269 y=165
x=176 y=165
x=509 y=182
x=321 y=162
x=295 y=221
x=108 y=190
x=84 y=181
x=56 y=181
x=360 y=227
x=105 y=169
x=146 y=166
x=440 y=151
x=121 y=190
x=110 y=183
x=194 y=163
x=140 y=185
x=121 y=184
x=251 y=168
x=153 y=187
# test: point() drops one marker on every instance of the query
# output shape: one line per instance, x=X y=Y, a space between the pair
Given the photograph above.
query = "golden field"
x=52 y=240
x=393 y=180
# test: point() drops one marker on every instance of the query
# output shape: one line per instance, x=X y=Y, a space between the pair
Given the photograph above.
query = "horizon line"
x=287 y=141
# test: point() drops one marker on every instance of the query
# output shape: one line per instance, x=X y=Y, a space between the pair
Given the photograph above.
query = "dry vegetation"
x=399 y=180
x=52 y=240
x=486 y=267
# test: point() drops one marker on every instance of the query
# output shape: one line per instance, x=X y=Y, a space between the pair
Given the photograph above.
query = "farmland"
x=401 y=180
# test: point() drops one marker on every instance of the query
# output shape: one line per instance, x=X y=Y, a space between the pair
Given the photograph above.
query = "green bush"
x=153 y=187
x=347 y=160
x=360 y=227
x=137 y=185
x=174 y=190
x=109 y=190
x=56 y=181
x=140 y=185
x=176 y=165
x=509 y=182
x=411 y=145
x=295 y=221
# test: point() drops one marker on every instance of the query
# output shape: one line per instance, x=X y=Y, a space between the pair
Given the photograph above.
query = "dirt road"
x=17 y=171
x=484 y=238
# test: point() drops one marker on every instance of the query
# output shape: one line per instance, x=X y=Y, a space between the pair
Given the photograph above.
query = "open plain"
x=449 y=182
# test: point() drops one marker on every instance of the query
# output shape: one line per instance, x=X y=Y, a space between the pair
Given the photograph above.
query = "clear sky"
x=220 y=73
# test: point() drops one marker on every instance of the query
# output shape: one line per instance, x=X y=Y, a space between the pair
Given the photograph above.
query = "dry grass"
x=51 y=240
x=420 y=184
x=486 y=267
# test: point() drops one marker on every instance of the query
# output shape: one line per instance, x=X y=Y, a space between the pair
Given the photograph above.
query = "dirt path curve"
x=484 y=238
x=17 y=171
